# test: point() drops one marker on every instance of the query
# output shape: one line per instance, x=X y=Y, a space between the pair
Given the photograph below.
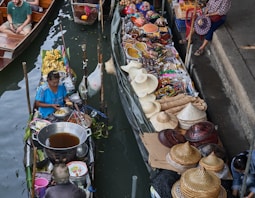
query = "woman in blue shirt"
x=50 y=96
x=238 y=166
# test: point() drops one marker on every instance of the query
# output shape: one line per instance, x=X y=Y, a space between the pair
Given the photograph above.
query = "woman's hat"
x=150 y=108
x=212 y=163
x=144 y=84
x=131 y=64
x=185 y=154
x=202 y=24
x=164 y=120
x=197 y=182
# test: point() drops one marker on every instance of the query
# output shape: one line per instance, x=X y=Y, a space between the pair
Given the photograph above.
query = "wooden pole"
x=190 y=34
x=101 y=15
x=24 y=64
x=34 y=171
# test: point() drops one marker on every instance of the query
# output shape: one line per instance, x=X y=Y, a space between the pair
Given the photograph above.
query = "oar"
x=101 y=15
x=190 y=34
x=24 y=64
x=30 y=178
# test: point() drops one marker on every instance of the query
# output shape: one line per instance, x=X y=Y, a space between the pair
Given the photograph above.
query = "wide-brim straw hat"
x=147 y=97
x=134 y=71
x=190 y=115
x=212 y=163
x=130 y=65
x=185 y=154
x=144 y=84
x=164 y=120
x=150 y=108
x=202 y=25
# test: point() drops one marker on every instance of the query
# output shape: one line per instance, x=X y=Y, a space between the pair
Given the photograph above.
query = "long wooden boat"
x=12 y=46
x=80 y=159
x=144 y=47
x=86 y=12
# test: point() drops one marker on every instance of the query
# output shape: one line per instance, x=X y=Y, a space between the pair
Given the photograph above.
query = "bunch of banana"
x=52 y=61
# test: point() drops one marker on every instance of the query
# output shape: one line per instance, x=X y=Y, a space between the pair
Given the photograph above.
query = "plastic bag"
x=94 y=81
x=83 y=89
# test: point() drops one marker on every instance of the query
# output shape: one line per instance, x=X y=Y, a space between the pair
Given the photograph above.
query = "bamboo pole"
x=24 y=64
x=190 y=34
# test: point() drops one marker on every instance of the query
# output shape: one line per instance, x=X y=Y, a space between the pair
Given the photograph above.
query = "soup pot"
x=61 y=155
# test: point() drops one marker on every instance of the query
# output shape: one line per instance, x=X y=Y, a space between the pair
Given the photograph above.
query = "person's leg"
x=209 y=35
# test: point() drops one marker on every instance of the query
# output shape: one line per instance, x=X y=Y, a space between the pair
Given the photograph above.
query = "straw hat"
x=133 y=71
x=131 y=64
x=190 y=115
x=202 y=24
x=148 y=97
x=212 y=162
x=180 y=168
x=163 y=120
x=185 y=154
x=150 y=108
x=197 y=182
x=144 y=84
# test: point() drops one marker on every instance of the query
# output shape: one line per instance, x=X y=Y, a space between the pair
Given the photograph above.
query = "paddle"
x=187 y=57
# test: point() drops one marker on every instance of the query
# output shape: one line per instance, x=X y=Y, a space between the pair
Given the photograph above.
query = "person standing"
x=19 y=16
x=51 y=95
x=217 y=11
x=238 y=165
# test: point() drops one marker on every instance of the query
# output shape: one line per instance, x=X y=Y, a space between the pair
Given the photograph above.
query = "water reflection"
x=117 y=158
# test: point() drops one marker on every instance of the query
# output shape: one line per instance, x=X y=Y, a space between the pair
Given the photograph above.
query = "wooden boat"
x=86 y=12
x=39 y=159
x=141 y=47
x=12 y=46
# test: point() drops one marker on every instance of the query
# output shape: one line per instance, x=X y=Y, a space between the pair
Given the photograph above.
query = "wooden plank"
x=10 y=41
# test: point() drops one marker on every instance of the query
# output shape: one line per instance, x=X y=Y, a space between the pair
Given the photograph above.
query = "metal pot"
x=57 y=155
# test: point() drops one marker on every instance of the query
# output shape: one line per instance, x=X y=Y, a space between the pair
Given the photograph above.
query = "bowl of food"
x=62 y=112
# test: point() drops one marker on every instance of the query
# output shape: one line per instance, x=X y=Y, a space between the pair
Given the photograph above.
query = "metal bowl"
x=66 y=112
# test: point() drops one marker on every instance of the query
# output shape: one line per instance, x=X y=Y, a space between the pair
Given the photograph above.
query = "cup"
x=40 y=186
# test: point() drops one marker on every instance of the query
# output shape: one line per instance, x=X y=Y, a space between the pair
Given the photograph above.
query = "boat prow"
x=11 y=46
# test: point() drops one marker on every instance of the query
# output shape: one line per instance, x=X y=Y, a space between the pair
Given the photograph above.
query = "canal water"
x=117 y=157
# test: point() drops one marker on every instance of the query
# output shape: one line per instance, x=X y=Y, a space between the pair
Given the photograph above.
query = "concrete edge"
x=237 y=79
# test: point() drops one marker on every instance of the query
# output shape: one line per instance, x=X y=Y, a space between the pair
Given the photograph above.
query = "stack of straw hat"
x=183 y=156
x=197 y=182
x=190 y=115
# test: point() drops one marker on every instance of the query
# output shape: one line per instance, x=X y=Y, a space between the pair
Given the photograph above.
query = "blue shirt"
x=238 y=177
x=45 y=95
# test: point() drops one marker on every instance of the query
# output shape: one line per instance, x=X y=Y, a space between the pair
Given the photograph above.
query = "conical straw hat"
x=190 y=112
x=185 y=154
x=212 y=162
x=163 y=120
x=131 y=64
x=176 y=192
x=144 y=84
x=150 y=108
x=197 y=182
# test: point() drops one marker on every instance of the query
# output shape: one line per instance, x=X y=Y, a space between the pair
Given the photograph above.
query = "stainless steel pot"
x=57 y=155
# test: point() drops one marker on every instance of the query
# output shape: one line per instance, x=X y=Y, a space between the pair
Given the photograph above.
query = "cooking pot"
x=66 y=154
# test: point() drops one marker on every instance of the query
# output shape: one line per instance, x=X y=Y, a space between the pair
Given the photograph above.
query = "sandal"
x=199 y=52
